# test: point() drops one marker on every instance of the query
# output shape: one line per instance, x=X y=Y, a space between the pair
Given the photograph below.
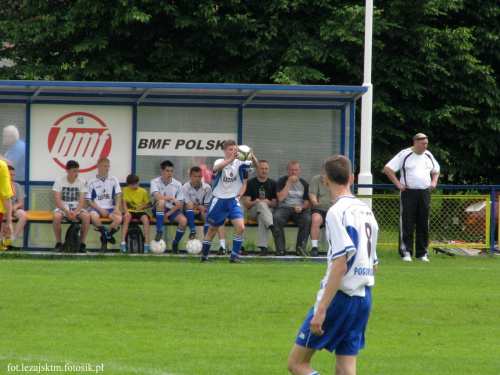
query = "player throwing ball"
x=228 y=176
x=338 y=320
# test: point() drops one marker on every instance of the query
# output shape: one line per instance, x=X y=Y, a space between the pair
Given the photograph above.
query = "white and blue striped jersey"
x=228 y=181
x=351 y=230
x=199 y=196
x=103 y=191
x=170 y=189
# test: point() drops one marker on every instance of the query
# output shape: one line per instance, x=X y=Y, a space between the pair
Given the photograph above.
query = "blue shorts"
x=344 y=326
x=221 y=209
x=110 y=210
x=171 y=217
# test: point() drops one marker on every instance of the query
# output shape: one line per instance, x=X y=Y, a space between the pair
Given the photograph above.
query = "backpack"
x=135 y=239
x=72 y=240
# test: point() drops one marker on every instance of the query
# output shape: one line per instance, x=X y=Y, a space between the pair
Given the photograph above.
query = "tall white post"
x=365 y=175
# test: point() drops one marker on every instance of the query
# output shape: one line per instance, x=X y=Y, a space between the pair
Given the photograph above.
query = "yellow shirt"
x=135 y=198
x=6 y=189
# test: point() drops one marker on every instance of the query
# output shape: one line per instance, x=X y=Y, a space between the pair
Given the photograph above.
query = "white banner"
x=182 y=144
x=83 y=133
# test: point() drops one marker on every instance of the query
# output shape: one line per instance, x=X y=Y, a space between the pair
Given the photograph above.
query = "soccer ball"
x=193 y=247
x=157 y=247
x=243 y=153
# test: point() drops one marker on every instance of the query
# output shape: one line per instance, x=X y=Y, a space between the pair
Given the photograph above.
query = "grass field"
x=175 y=316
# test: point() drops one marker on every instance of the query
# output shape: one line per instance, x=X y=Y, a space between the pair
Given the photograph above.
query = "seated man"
x=168 y=200
x=69 y=196
x=260 y=201
x=17 y=207
x=321 y=201
x=293 y=204
x=102 y=191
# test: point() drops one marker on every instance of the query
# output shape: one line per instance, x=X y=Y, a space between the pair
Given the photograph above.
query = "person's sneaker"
x=123 y=247
x=58 y=247
x=406 y=256
x=104 y=233
x=424 y=258
x=13 y=248
x=221 y=251
x=158 y=236
x=192 y=236
x=146 y=248
x=82 y=248
x=175 y=248
x=314 y=252
x=111 y=239
x=236 y=260
x=264 y=252
x=280 y=253
x=205 y=260
x=243 y=252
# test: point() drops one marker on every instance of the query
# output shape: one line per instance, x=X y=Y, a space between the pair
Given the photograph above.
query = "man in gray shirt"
x=293 y=204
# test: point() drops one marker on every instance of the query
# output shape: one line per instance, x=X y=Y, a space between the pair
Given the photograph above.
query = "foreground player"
x=338 y=320
x=228 y=175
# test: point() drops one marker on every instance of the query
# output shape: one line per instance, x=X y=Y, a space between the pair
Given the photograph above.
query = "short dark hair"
x=227 y=143
x=11 y=167
x=166 y=163
x=194 y=169
x=263 y=161
x=132 y=179
x=338 y=169
x=72 y=164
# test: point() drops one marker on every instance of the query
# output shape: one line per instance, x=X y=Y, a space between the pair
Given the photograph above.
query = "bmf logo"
x=79 y=136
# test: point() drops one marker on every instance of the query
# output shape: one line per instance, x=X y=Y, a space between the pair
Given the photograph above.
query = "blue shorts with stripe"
x=344 y=326
x=221 y=209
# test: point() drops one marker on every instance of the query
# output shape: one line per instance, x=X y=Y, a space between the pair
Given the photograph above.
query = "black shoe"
x=83 y=248
x=264 y=252
x=236 y=260
x=243 y=252
x=280 y=253
x=158 y=236
x=192 y=236
x=221 y=251
x=111 y=239
x=314 y=252
x=175 y=248
x=58 y=247
x=113 y=231
x=205 y=260
x=13 y=248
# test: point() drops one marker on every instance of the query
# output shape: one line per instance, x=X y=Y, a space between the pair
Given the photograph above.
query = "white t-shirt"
x=170 y=189
x=70 y=192
x=351 y=230
x=415 y=170
x=103 y=192
x=199 y=196
x=228 y=181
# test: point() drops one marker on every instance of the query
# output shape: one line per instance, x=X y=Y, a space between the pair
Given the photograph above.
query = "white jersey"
x=103 y=192
x=199 y=196
x=169 y=189
x=70 y=192
x=351 y=230
x=415 y=170
x=228 y=181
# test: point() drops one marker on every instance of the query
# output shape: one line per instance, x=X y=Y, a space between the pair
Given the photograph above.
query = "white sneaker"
x=424 y=258
x=406 y=256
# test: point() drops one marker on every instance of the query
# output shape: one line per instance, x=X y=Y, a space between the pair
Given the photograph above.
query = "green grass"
x=176 y=316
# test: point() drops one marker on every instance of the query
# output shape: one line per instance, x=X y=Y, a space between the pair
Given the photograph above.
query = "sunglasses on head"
x=419 y=138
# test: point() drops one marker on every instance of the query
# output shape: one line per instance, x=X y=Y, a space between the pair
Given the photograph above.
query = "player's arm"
x=59 y=204
x=392 y=176
x=434 y=180
x=284 y=192
x=223 y=164
x=337 y=272
x=255 y=162
x=118 y=203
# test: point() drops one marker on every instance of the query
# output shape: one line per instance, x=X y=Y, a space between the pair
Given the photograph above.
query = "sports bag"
x=72 y=240
x=135 y=239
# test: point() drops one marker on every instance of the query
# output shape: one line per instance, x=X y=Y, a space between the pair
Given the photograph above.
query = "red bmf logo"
x=79 y=136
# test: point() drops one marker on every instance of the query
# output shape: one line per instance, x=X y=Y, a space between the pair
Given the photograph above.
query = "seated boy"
x=135 y=201
x=17 y=207
x=102 y=191
x=69 y=196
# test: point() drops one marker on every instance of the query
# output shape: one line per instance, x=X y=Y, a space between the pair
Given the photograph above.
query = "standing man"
x=260 y=201
x=293 y=204
x=228 y=175
x=321 y=201
x=419 y=172
x=338 y=320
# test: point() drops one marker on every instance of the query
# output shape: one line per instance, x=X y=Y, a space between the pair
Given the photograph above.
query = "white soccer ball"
x=157 y=247
x=193 y=247
x=243 y=153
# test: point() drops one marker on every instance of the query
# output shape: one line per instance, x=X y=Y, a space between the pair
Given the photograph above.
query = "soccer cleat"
x=243 y=252
x=236 y=260
x=110 y=238
x=314 y=251
x=158 y=236
x=58 y=247
x=264 y=252
x=424 y=258
x=104 y=233
x=192 y=236
x=205 y=260
x=406 y=256
x=221 y=251
x=82 y=248
x=123 y=247
x=175 y=248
